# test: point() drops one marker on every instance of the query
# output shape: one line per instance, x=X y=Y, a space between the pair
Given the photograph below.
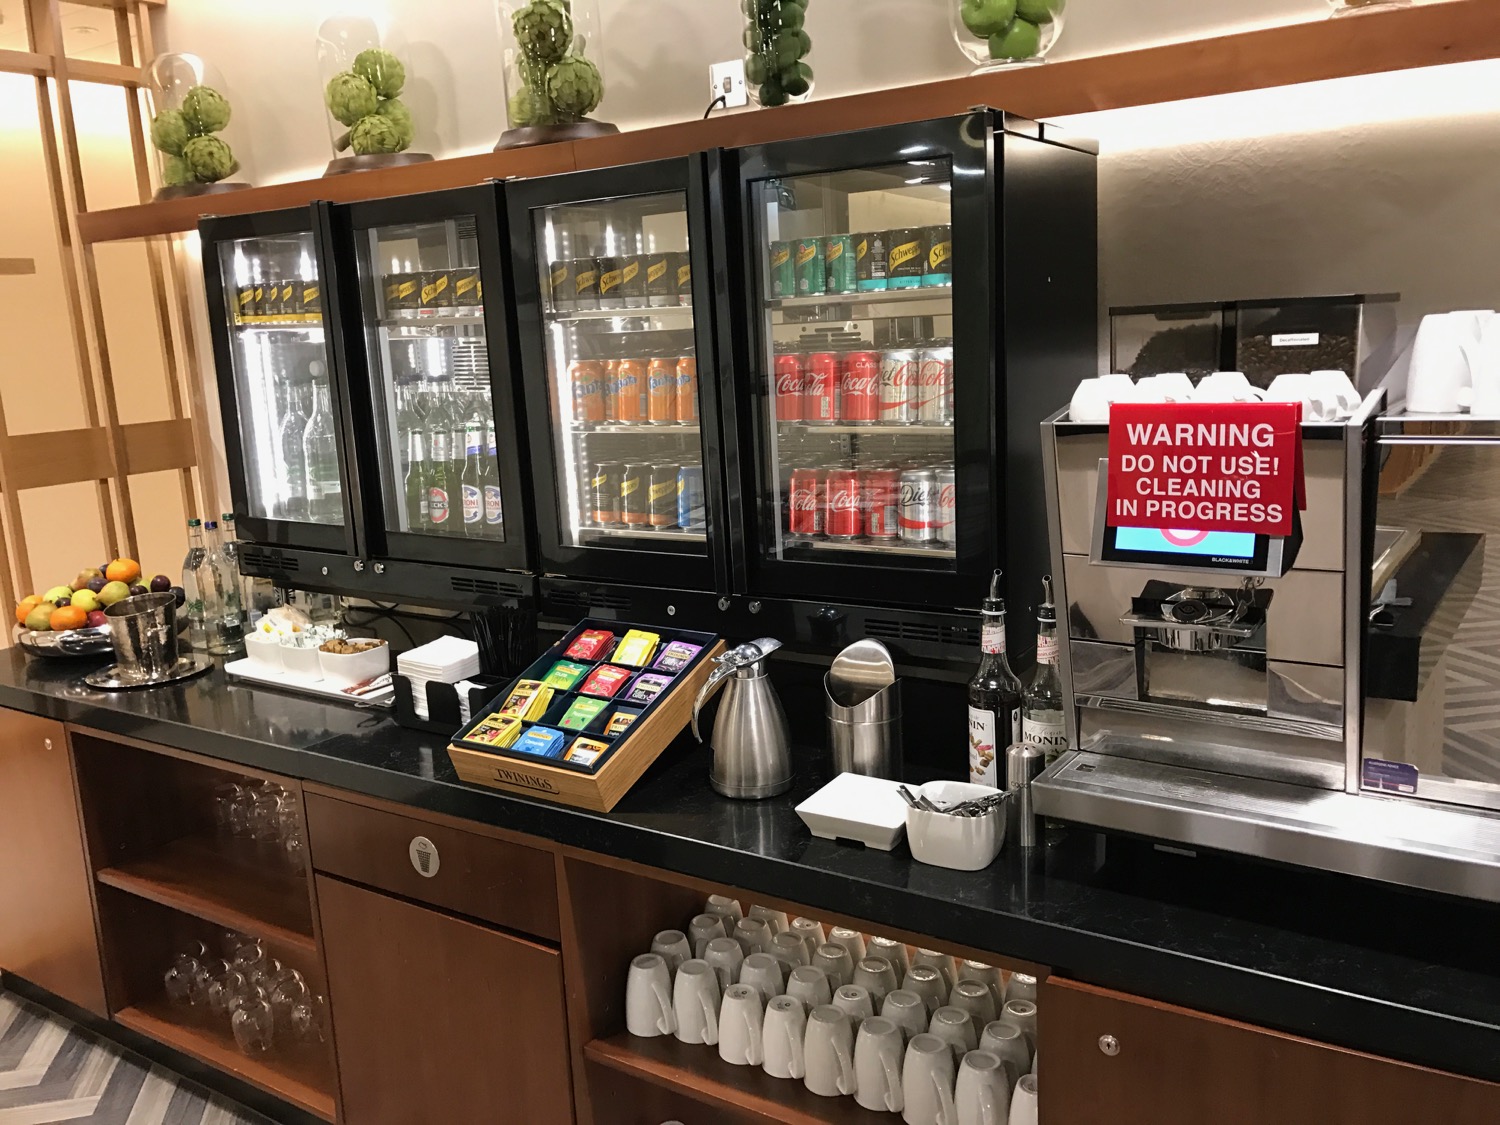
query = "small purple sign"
x=1389 y=777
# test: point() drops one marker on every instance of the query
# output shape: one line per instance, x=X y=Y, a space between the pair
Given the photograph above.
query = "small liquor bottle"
x=1042 y=721
x=994 y=696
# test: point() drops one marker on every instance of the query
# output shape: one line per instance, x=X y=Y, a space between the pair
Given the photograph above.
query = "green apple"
x=114 y=592
x=1037 y=11
x=56 y=594
x=987 y=17
x=86 y=600
x=1022 y=40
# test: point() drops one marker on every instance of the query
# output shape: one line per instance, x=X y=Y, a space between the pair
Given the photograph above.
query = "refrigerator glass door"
x=434 y=419
x=622 y=372
x=288 y=430
x=856 y=343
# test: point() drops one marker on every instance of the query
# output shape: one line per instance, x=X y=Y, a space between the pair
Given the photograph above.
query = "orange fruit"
x=68 y=617
x=27 y=605
x=123 y=570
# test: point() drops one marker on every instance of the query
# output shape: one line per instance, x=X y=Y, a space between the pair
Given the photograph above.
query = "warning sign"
x=1208 y=467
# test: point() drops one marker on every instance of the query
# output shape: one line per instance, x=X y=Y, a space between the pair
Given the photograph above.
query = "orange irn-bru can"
x=687 y=389
x=630 y=390
x=661 y=391
x=611 y=390
x=588 y=391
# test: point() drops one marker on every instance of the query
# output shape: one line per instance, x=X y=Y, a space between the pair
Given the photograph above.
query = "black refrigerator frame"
x=627 y=567
x=1025 y=292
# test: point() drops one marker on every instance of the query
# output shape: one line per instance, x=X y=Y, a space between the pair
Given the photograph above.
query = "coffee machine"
x=1224 y=691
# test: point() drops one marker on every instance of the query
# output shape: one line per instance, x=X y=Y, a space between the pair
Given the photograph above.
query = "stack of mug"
x=939 y=1041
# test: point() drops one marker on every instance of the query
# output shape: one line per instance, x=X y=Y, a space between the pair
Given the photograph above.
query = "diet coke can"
x=820 y=389
x=947 y=507
x=859 y=389
x=790 y=388
x=845 y=519
x=805 y=503
x=880 y=497
x=932 y=396
x=919 y=506
x=898 y=374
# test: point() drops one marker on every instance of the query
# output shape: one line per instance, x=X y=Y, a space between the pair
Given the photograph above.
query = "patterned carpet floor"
x=50 y=1071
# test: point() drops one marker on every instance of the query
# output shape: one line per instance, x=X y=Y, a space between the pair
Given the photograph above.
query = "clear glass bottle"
x=293 y=457
x=232 y=553
x=1042 y=718
x=994 y=696
x=192 y=603
x=320 y=448
x=494 y=515
x=471 y=482
x=219 y=583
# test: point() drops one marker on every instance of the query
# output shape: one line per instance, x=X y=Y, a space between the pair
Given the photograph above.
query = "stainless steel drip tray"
x=1392 y=839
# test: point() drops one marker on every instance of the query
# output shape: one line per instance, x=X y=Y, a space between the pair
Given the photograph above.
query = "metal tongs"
x=980 y=806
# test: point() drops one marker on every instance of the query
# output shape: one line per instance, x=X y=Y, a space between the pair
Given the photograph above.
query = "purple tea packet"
x=676 y=656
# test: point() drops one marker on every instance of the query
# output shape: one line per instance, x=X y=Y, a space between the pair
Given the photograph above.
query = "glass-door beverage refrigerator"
x=615 y=328
x=914 y=301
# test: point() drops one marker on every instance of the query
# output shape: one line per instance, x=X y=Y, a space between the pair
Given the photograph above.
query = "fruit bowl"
x=65 y=645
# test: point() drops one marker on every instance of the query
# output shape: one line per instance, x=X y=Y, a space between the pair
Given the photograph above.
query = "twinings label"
x=662 y=491
x=585 y=280
x=656 y=271
x=630 y=272
x=940 y=254
x=608 y=280
x=904 y=253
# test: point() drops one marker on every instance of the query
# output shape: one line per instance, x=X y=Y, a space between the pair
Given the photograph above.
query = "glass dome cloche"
x=369 y=123
x=1000 y=33
x=1355 y=7
x=190 y=118
x=552 y=53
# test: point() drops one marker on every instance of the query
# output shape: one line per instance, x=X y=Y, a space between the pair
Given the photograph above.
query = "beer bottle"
x=471 y=483
x=439 y=482
x=416 y=479
x=494 y=517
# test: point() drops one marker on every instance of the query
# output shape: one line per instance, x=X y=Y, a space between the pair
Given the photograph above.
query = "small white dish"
x=349 y=668
x=962 y=843
x=264 y=649
x=855 y=807
x=302 y=661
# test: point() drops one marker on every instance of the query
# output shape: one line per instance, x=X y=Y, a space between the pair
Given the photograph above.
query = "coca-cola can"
x=880 y=497
x=947 y=507
x=845 y=519
x=932 y=396
x=898 y=374
x=790 y=388
x=820 y=395
x=805 y=503
x=919 y=506
x=859 y=389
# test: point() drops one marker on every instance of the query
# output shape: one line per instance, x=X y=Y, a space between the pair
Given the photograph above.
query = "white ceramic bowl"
x=348 y=668
x=302 y=661
x=963 y=843
x=264 y=650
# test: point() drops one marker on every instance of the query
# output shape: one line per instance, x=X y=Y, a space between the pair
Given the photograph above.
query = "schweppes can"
x=244 y=304
x=466 y=292
x=402 y=293
x=838 y=263
x=870 y=259
x=633 y=280
x=906 y=257
x=585 y=283
x=437 y=290
x=309 y=299
x=559 y=286
x=783 y=270
x=684 y=278
x=610 y=275
x=287 y=299
x=661 y=279
x=939 y=256
x=812 y=277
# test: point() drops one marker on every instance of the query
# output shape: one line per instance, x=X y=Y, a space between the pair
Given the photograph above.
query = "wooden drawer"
x=507 y=884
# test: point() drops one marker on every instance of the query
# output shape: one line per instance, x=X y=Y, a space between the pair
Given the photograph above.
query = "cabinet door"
x=437 y=1019
x=47 y=933
x=1179 y=1067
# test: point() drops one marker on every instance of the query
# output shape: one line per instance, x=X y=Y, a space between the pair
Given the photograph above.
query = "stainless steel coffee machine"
x=1226 y=691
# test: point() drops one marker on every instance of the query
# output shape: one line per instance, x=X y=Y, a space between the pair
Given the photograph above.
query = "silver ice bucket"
x=144 y=631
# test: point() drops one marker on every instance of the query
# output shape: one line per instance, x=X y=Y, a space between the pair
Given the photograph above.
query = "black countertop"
x=1330 y=957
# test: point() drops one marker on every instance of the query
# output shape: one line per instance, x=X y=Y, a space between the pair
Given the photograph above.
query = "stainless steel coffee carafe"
x=752 y=749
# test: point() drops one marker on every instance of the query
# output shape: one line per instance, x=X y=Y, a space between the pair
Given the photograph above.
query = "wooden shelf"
x=742 y=1091
x=223 y=884
x=304 y=1079
x=1372 y=43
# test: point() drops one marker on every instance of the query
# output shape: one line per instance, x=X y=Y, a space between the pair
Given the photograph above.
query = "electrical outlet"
x=727 y=80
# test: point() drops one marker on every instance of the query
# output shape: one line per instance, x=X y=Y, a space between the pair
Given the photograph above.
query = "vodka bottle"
x=325 y=486
x=293 y=459
x=219 y=583
x=994 y=696
x=192 y=604
x=1042 y=720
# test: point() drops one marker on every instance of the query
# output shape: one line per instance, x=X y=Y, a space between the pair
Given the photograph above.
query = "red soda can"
x=791 y=379
x=898 y=376
x=880 y=497
x=661 y=391
x=845 y=519
x=932 y=396
x=859 y=388
x=820 y=389
x=805 y=504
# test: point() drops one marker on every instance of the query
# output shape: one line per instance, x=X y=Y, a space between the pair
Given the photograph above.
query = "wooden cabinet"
x=47 y=933
x=438 y=1019
x=1173 y=1066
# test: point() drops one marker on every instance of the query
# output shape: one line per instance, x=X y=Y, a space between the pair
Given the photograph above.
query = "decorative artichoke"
x=208 y=159
x=375 y=134
x=350 y=97
x=382 y=70
x=394 y=110
x=523 y=108
x=544 y=30
x=169 y=132
x=174 y=172
x=205 y=110
x=575 y=87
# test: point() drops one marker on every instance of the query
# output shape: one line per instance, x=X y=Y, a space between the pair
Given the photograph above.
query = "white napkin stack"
x=446 y=660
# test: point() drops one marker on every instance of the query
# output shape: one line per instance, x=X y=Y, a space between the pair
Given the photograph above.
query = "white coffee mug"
x=726 y=908
x=1169 y=386
x=726 y=957
x=954 y=1027
x=1022 y=1014
x=927 y=1077
x=648 y=997
x=673 y=947
x=1021 y=986
x=943 y=963
x=810 y=930
x=1443 y=358
x=835 y=961
x=978 y=970
x=879 y=1049
x=852 y=940
x=1319 y=402
x=1225 y=386
x=775 y=920
x=927 y=983
x=764 y=973
x=982 y=1093
x=906 y=1010
x=783 y=1031
x=809 y=984
x=828 y=1052
x=877 y=977
x=702 y=930
x=1008 y=1044
x=789 y=949
x=741 y=1023
x=1091 y=401
x=753 y=935
x=893 y=951
x=1341 y=388
x=695 y=1001
x=975 y=997
x=1023 y=1107
x=854 y=1002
